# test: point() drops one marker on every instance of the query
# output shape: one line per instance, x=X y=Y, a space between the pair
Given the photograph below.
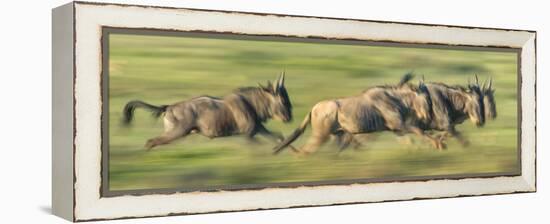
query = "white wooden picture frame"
x=77 y=110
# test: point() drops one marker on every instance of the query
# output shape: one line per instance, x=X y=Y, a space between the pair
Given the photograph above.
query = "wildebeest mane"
x=389 y=86
x=403 y=82
x=456 y=87
x=383 y=103
x=448 y=102
x=256 y=99
x=459 y=87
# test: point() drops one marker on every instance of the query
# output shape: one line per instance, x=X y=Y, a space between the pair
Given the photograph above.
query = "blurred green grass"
x=164 y=70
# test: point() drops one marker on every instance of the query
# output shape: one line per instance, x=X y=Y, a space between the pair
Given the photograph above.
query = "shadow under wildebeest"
x=242 y=112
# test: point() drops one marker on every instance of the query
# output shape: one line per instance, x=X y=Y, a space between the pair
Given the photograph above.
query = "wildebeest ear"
x=490 y=84
x=272 y=88
x=262 y=86
x=470 y=86
x=269 y=87
x=275 y=89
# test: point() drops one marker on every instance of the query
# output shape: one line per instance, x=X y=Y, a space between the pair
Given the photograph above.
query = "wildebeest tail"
x=299 y=131
x=128 y=111
x=406 y=78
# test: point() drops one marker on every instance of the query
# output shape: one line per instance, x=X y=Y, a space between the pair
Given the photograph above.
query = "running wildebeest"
x=239 y=113
x=381 y=108
x=452 y=105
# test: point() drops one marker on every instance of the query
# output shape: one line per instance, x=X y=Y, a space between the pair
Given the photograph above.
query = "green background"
x=164 y=70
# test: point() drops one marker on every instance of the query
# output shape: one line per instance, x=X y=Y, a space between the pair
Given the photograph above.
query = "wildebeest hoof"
x=149 y=145
x=442 y=145
x=441 y=137
x=439 y=145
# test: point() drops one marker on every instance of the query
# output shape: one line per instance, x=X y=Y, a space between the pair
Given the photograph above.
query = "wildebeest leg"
x=405 y=139
x=344 y=139
x=167 y=137
x=359 y=140
x=172 y=131
x=443 y=136
x=356 y=143
x=324 y=123
x=436 y=142
x=454 y=133
x=274 y=136
x=314 y=141
x=395 y=123
x=320 y=133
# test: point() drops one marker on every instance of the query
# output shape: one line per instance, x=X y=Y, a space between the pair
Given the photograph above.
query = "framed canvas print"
x=169 y=111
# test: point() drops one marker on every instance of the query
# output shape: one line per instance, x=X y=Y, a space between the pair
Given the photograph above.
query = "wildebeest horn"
x=490 y=85
x=477 y=80
x=421 y=82
x=281 y=82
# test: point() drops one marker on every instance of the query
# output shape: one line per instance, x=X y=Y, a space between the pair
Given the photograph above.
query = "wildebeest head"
x=489 y=99
x=279 y=105
x=474 y=103
x=423 y=103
